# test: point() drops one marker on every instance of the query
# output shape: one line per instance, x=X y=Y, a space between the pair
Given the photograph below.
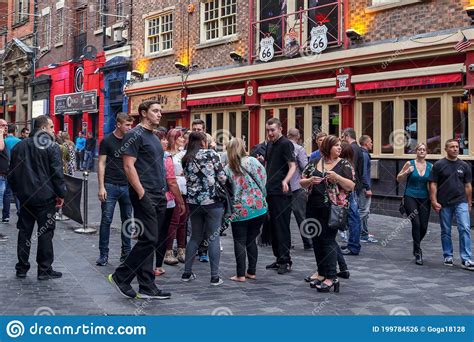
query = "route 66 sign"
x=267 y=52
x=319 y=39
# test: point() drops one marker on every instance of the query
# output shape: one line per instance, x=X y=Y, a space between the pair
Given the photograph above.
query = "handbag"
x=338 y=214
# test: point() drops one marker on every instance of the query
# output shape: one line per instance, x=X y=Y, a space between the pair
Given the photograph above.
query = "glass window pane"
x=411 y=125
x=460 y=124
x=233 y=123
x=268 y=114
x=299 y=121
x=245 y=128
x=316 y=123
x=368 y=119
x=334 y=119
x=284 y=120
x=209 y=123
x=433 y=125
x=387 y=126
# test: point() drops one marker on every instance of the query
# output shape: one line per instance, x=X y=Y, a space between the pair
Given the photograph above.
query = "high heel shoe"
x=316 y=282
x=323 y=287
x=309 y=278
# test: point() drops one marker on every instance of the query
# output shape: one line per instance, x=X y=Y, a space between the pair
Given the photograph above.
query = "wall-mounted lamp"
x=470 y=13
x=353 y=35
x=237 y=57
x=181 y=67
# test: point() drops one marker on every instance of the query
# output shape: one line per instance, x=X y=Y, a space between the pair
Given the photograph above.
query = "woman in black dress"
x=331 y=180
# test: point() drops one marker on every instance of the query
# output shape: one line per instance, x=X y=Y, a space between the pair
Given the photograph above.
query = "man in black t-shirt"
x=280 y=165
x=451 y=195
x=144 y=167
x=113 y=187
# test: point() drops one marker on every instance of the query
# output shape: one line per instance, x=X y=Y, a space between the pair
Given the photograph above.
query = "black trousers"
x=149 y=215
x=245 y=244
x=324 y=243
x=162 y=237
x=419 y=220
x=280 y=215
x=44 y=216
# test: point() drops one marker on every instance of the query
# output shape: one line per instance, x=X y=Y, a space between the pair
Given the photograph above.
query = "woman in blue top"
x=416 y=199
x=248 y=177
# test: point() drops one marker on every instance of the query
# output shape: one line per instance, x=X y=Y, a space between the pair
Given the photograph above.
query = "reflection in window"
x=368 y=119
x=233 y=123
x=284 y=120
x=209 y=123
x=410 y=125
x=433 y=125
x=460 y=124
x=316 y=124
x=299 y=121
x=334 y=119
x=387 y=126
x=245 y=128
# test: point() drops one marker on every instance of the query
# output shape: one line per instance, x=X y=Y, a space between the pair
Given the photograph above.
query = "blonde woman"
x=248 y=178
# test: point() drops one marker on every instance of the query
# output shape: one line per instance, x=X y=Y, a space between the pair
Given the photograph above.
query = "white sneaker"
x=468 y=265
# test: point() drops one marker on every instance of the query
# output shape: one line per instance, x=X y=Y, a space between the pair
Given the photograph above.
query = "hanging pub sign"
x=319 y=39
x=267 y=52
x=292 y=48
x=342 y=83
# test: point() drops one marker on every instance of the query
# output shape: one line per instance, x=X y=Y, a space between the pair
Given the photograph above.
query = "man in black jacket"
x=36 y=177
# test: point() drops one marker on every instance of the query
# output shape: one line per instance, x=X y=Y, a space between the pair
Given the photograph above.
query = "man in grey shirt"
x=298 y=199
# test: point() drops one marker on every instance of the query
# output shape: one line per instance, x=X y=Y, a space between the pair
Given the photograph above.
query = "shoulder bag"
x=338 y=215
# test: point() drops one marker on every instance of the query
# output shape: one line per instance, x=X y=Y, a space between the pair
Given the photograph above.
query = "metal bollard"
x=85 y=229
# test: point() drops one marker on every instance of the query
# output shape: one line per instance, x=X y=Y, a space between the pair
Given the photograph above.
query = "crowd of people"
x=174 y=186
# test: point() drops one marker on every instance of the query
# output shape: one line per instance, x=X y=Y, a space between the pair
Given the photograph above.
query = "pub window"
x=316 y=121
x=334 y=119
x=159 y=33
x=268 y=114
x=460 y=124
x=411 y=125
x=220 y=136
x=233 y=123
x=245 y=128
x=209 y=123
x=299 y=121
x=219 y=19
x=368 y=119
x=433 y=125
x=387 y=126
x=284 y=120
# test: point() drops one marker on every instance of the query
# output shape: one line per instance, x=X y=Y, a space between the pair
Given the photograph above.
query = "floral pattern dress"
x=248 y=195
x=201 y=175
x=323 y=194
x=69 y=159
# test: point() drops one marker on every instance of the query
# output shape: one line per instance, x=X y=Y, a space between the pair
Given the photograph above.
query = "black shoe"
x=49 y=275
x=124 y=289
x=344 y=274
x=123 y=256
x=327 y=288
x=154 y=294
x=273 y=266
x=419 y=259
x=21 y=274
x=284 y=268
x=216 y=281
x=188 y=277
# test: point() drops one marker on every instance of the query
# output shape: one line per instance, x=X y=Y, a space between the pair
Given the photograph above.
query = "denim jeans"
x=205 y=219
x=3 y=183
x=364 y=211
x=7 y=197
x=461 y=211
x=115 y=193
x=88 y=160
x=354 y=224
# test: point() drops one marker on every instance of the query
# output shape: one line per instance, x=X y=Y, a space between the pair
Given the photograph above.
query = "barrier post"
x=85 y=203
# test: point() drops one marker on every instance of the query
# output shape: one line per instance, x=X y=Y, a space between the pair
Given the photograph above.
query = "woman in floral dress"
x=69 y=162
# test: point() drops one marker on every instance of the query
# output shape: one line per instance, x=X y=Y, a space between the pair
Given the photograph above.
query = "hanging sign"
x=292 y=48
x=342 y=83
x=267 y=52
x=319 y=39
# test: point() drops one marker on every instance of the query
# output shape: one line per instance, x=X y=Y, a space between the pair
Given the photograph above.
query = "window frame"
x=160 y=33
x=100 y=18
x=119 y=9
x=59 y=26
x=219 y=19
x=46 y=30
x=81 y=21
x=21 y=11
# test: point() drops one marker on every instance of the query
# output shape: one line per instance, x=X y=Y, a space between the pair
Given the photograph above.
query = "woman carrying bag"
x=416 y=200
x=248 y=178
x=331 y=180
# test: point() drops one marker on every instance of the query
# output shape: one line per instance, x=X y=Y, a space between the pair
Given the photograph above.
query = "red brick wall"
x=20 y=31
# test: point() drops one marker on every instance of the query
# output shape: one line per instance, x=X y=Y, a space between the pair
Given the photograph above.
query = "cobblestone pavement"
x=384 y=279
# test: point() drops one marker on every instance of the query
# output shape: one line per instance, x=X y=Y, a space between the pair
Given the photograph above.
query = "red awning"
x=410 y=82
x=299 y=93
x=215 y=100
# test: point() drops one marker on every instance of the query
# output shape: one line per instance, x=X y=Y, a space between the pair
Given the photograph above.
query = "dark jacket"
x=358 y=166
x=259 y=149
x=366 y=180
x=36 y=170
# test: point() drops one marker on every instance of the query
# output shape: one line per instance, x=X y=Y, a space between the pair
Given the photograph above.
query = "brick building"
x=18 y=60
x=388 y=68
x=84 y=50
